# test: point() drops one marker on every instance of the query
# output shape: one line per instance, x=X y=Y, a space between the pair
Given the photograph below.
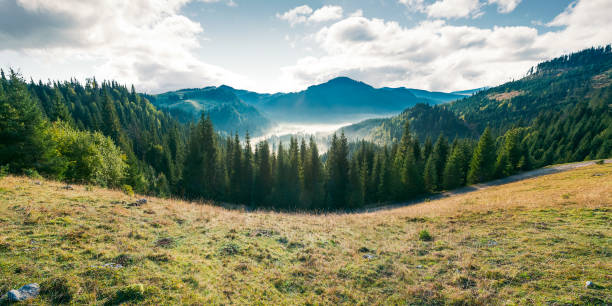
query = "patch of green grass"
x=424 y=235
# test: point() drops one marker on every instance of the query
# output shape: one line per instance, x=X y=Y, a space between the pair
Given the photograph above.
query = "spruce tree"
x=235 y=171
x=455 y=170
x=430 y=175
x=293 y=174
x=338 y=172
x=312 y=195
x=440 y=155
x=482 y=165
x=263 y=174
x=247 y=172
x=200 y=175
x=22 y=140
x=59 y=109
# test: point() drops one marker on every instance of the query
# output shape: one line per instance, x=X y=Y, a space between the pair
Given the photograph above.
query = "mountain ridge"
x=339 y=98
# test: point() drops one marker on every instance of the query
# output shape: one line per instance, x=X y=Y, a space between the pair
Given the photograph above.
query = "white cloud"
x=438 y=56
x=585 y=23
x=296 y=15
x=326 y=13
x=455 y=9
x=505 y=6
x=148 y=43
x=304 y=14
x=414 y=5
x=458 y=8
x=228 y=2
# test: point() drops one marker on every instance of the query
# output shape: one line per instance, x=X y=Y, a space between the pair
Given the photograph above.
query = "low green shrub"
x=127 y=189
x=425 y=236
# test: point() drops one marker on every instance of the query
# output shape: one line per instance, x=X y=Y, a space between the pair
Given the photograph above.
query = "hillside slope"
x=572 y=84
x=530 y=242
x=583 y=77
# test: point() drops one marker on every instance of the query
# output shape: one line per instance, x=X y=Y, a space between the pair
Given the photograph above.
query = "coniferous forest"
x=108 y=135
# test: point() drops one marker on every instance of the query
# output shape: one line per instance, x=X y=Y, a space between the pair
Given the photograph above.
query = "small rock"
x=420 y=267
x=364 y=250
x=589 y=284
x=109 y=265
x=68 y=187
x=112 y=265
x=24 y=293
x=38 y=183
x=138 y=203
x=369 y=256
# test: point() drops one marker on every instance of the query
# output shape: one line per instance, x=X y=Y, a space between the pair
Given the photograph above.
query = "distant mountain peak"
x=340 y=82
x=342 y=79
x=226 y=87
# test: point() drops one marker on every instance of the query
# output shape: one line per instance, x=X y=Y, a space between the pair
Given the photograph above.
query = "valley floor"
x=535 y=241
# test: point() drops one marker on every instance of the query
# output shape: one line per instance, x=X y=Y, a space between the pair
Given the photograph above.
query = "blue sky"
x=270 y=46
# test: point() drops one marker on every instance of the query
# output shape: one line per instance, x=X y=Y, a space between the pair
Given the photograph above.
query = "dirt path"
x=467 y=189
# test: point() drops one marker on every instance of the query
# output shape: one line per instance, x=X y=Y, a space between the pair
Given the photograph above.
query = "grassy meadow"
x=531 y=242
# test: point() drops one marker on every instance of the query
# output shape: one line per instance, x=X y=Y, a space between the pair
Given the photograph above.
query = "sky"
x=288 y=45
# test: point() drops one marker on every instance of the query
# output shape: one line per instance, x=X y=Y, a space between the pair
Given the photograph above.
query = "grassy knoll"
x=532 y=242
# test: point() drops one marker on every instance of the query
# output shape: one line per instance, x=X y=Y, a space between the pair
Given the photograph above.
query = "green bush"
x=31 y=173
x=87 y=157
x=127 y=189
x=425 y=236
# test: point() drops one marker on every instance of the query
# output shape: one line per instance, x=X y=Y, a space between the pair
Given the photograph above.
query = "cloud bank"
x=152 y=44
x=148 y=43
x=436 y=55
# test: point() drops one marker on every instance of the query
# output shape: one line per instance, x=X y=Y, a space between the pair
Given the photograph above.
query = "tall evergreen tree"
x=337 y=167
x=200 y=176
x=482 y=165
x=22 y=128
x=263 y=174
x=312 y=178
x=455 y=171
x=247 y=172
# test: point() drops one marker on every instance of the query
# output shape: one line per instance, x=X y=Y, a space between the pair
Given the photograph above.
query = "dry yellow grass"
x=534 y=241
x=506 y=95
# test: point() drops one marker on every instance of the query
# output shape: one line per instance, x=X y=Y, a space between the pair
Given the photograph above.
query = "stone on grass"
x=26 y=292
x=138 y=203
x=68 y=187
x=589 y=284
x=369 y=256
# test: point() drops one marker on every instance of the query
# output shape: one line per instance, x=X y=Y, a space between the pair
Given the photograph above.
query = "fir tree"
x=22 y=128
x=338 y=172
x=483 y=160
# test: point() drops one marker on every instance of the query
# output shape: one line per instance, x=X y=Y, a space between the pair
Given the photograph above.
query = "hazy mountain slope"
x=425 y=121
x=338 y=99
x=492 y=246
x=435 y=96
x=228 y=113
x=469 y=92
